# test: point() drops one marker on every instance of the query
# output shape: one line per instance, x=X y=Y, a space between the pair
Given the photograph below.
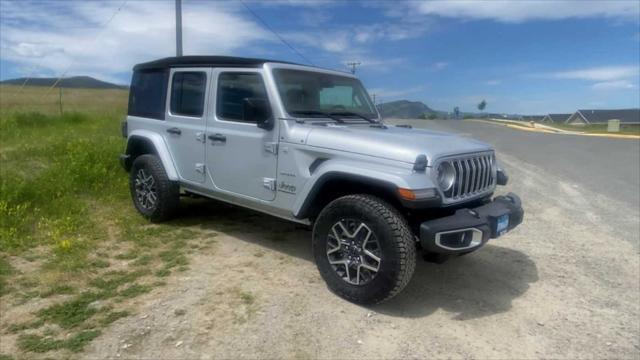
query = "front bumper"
x=469 y=229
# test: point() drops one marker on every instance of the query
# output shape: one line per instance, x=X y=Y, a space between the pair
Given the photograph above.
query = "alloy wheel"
x=353 y=251
x=146 y=192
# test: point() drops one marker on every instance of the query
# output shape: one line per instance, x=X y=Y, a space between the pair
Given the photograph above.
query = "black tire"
x=397 y=248
x=167 y=192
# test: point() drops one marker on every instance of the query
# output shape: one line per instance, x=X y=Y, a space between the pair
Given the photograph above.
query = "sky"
x=526 y=57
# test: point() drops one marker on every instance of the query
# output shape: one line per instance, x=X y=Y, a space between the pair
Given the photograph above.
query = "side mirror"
x=258 y=110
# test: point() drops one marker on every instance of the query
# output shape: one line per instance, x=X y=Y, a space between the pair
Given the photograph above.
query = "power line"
x=275 y=33
x=104 y=26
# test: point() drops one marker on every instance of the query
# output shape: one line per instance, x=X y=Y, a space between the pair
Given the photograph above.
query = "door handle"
x=217 y=137
x=174 y=130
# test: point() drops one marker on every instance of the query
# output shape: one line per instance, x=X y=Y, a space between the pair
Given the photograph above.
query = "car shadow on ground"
x=477 y=285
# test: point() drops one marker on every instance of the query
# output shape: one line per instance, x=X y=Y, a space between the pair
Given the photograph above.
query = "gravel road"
x=565 y=284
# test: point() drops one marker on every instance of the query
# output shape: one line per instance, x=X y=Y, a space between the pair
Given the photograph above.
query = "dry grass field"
x=72 y=249
x=46 y=101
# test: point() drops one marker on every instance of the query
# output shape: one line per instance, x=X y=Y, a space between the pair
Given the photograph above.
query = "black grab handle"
x=217 y=137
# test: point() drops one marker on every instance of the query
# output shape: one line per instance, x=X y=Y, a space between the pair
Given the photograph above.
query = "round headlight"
x=446 y=176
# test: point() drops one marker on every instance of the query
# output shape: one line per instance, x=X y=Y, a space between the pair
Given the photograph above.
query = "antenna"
x=353 y=65
x=178 y=27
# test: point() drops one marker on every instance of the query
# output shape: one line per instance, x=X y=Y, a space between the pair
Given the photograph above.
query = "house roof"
x=213 y=61
x=602 y=116
x=558 y=118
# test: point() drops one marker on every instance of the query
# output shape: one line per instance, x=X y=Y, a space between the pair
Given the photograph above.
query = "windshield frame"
x=274 y=67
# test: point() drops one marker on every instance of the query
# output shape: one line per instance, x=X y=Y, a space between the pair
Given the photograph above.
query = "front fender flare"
x=388 y=177
x=160 y=149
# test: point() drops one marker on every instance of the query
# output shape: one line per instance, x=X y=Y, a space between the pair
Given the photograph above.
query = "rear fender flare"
x=159 y=146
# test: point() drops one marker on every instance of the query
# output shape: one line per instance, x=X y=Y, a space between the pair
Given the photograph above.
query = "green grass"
x=14 y=328
x=5 y=270
x=41 y=344
x=134 y=290
x=65 y=209
x=113 y=316
x=70 y=314
x=599 y=129
x=247 y=298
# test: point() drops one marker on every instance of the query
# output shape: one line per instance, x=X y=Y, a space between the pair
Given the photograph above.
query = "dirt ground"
x=565 y=284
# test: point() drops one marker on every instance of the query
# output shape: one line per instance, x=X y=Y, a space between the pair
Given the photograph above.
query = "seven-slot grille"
x=474 y=174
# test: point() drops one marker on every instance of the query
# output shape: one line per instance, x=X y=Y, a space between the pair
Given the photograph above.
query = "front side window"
x=233 y=89
x=187 y=93
x=306 y=92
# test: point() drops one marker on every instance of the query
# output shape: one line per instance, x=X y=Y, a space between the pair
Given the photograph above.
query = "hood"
x=394 y=143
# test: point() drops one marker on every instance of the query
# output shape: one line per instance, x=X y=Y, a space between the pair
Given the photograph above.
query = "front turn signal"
x=406 y=194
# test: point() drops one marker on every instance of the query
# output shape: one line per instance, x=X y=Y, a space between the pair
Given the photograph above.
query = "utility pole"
x=178 y=27
x=353 y=65
x=374 y=99
x=60 y=99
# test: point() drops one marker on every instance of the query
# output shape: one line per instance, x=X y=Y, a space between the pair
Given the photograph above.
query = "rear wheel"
x=154 y=195
x=363 y=248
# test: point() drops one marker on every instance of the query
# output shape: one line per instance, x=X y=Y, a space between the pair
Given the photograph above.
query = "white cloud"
x=295 y=3
x=603 y=73
x=493 y=82
x=523 y=10
x=71 y=36
x=613 y=85
x=331 y=41
x=440 y=65
x=356 y=39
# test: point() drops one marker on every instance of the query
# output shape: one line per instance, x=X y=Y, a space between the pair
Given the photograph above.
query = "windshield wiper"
x=318 y=113
x=349 y=113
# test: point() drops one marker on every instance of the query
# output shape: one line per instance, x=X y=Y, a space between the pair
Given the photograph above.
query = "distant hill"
x=84 y=82
x=404 y=109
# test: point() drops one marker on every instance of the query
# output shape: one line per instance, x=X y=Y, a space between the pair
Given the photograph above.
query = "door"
x=241 y=157
x=185 y=121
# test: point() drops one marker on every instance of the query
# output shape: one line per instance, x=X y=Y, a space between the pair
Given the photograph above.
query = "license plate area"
x=502 y=224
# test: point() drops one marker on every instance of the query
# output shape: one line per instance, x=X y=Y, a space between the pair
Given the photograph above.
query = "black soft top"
x=209 y=61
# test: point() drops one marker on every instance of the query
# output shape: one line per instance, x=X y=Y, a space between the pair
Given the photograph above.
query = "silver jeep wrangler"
x=308 y=145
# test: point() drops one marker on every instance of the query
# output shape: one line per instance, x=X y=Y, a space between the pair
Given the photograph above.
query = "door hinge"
x=269 y=183
x=271 y=147
x=200 y=168
x=200 y=136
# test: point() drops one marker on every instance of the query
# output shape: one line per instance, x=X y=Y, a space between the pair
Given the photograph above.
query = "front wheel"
x=364 y=249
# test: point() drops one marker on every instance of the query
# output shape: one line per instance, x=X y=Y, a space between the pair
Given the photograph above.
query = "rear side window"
x=148 y=94
x=233 y=88
x=187 y=93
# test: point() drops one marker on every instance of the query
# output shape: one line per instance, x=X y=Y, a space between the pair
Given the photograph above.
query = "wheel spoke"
x=360 y=227
x=151 y=199
x=371 y=255
x=344 y=229
x=369 y=267
x=331 y=251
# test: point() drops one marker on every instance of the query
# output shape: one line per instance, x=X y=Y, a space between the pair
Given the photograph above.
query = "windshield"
x=308 y=93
